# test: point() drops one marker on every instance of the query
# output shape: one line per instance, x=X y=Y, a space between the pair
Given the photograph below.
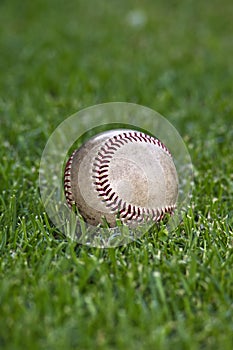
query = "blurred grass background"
x=165 y=291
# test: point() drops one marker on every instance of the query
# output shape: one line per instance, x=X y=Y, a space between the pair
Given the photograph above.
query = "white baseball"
x=123 y=174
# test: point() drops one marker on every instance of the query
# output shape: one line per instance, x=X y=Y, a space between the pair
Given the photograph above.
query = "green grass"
x=165 y=291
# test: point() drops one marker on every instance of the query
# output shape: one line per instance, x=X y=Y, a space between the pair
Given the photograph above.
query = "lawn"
x=167 y=290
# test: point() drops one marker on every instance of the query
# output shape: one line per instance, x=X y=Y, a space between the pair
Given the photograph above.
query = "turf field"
x=167 y=290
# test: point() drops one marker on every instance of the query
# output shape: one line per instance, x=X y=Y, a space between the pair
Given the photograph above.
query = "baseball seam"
x=67 y=181
x=103 y=187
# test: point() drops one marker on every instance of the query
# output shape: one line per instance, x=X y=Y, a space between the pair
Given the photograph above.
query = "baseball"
x=121 y=174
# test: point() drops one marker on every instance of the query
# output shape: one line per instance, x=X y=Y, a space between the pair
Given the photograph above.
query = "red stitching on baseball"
x=67 y=181
x=99 y=183
x=101 y=165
